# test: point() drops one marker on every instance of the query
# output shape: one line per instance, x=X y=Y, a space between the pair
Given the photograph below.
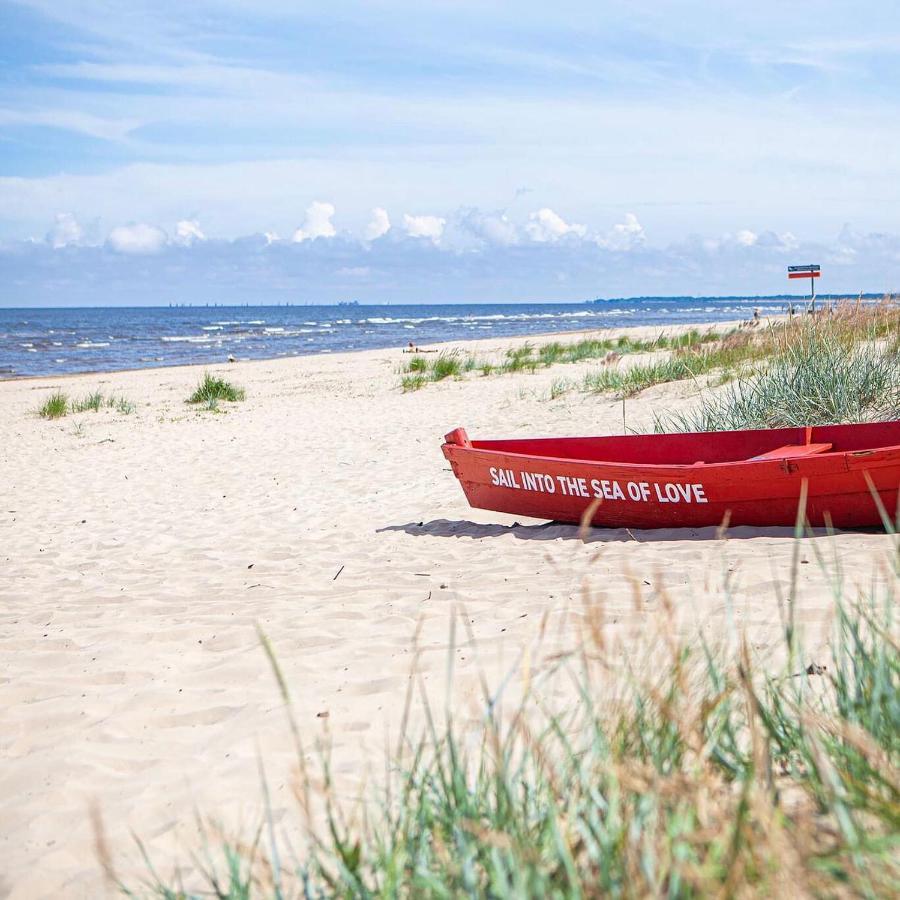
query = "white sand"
x=139 y=551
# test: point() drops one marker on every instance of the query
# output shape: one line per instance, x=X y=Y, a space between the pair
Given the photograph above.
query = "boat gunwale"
x=687 y=467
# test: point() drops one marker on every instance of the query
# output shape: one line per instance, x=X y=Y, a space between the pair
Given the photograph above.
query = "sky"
x=397 y=151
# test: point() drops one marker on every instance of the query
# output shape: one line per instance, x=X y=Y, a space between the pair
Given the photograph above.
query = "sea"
x=60 y=341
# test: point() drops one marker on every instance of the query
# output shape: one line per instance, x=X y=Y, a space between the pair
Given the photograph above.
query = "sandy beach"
x=141 y=551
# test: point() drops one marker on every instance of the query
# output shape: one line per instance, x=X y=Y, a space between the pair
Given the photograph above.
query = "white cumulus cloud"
x=137 y=239
x=746 y=238
x=379 y=226
x=495 y=228
x=546 y=225
x=317 y=223
x=469 y=228
x=66 y=230
x=625 y=235
x=424 y=226
x=187 y=231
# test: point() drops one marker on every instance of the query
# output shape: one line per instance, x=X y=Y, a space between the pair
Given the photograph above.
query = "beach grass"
x=820 y=371
x=852 y=349
x=58 y=404
x=89 y=403
x=121 y=405
x=413 y=382
x=561 y=386
x=689 y=361
x=55 y=406
x=213 y=389
x=519 y=359
x=446 y=365
x=705 y=772
x=419 y=370
x=530 y=358
x=723 y=355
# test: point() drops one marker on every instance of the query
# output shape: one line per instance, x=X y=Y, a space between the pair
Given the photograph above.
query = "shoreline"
x=464 y=344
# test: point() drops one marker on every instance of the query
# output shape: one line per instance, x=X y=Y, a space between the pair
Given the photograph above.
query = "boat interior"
x=707 y=447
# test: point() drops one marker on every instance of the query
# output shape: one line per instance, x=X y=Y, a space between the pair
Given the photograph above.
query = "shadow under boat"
x=561 y=531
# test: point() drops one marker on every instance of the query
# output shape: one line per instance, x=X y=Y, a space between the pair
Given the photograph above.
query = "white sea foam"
x=493 y=317
x=88 y=345
x=187 y=339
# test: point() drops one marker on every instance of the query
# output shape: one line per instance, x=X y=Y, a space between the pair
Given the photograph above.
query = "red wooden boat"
x=688 y=480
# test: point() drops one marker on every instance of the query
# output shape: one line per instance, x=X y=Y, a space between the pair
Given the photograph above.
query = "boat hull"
x=839 y=487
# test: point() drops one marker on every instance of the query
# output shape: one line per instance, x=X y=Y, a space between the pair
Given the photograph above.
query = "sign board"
x=811 y=271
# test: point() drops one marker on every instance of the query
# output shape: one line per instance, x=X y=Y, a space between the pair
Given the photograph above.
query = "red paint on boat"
x=688 y=480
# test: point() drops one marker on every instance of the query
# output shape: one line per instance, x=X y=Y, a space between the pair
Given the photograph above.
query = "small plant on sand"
x=560 y=386
x=90 y=403
x=520 y=359
x=413 y=383
x=417 y=364
x=58 y=405
x=55 y=406
x=212 y=389
x=445 y=366
x=121 y=405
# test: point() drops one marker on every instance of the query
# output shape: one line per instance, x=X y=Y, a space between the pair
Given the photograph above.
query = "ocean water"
x=58 y=341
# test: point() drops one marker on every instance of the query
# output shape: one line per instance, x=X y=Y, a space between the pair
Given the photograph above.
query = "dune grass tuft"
x=445 y=366
x=212 y=389
x=55 y=406
x=58 y=404
x=413 y=382
x=419 y=370
x=561 y=386
x=121 y=404
x=89 y=403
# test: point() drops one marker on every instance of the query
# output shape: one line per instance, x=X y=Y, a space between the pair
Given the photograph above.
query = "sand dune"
x=140 y=552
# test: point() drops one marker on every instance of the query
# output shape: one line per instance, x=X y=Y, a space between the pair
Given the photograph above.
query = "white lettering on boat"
x=606 y=489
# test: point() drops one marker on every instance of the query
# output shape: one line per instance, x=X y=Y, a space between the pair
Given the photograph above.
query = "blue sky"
x=243 y=151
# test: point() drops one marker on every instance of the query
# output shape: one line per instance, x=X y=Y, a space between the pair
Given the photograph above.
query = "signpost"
x=812 y=272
